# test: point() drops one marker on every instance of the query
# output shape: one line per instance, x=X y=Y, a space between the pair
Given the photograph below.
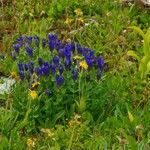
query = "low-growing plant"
x=144 y=66
x=55 y=79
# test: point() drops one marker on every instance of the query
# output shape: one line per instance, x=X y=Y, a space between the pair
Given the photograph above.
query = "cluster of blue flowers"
x=63 y=58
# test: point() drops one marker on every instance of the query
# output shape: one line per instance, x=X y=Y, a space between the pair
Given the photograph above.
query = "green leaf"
x=133 y=54
x=148 y=67
x=138 y=30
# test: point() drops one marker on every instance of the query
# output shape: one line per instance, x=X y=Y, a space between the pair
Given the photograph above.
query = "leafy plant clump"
x=55 y=75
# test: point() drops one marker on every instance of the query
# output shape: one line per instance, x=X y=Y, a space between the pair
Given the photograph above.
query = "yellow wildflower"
x=32 y=94
x=75 y=120
x=34 y=76
x=47 y=132
x=78 y=12
x=14 y=75
x=80 y=19
x=35 y=84
x=83 y=64
x=31 y=142
x=68 y=21
x=77 y=57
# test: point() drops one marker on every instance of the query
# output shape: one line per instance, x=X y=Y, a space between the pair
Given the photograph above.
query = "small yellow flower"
x=77 y=57
x=80 y=19
x=35 y=84
x=78 y=12
x=34 y=76
x=83 y=64
x=31 y=142
x=32 y=94
x=14 y=75
x=68 y=21
x=75 y=120
x=47 y=132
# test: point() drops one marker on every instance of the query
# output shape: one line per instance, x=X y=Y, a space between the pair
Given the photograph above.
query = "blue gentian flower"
x=46 y=64
x=29 y=39
x=52 y=69
x=52 y=37
x=67 y=64
x=26 y=67
x=91 y=53
x=22 y=75
x=75 y=74
x=100 y=63
x=17 y=47
x=61 y=52
x=56 y=60
x=51 y=45
x=29 y=50
x=58 y=45
x=31 y=66
x=61 y=68
x=38 y=71
x=45 y=70
x=20 y=67
x=89 y=62
x=37 y=41
x=59 y=80
x=48 y=92
x=40 y=62
x=67 y=53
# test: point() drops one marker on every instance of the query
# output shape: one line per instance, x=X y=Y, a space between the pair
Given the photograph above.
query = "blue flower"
x=20 y=67
x=40 y=61
x=29 y=50
x=52 y=69
x=75 y=74
x=67 y=64
x=52 y=37
x=56 y=60
x=20 y=40
x=26 y=67
x=100 y=63
x=67 y=54
x=58 y=45
x=45 y=70
x=21 y=74
x=61 y=52
x=46 y=64
x=61 y=68
x=89 y=61
x=39 y=71
x=37 y=41
x=51 y=45
x=59 y=80
x=31 y=66
x=17 y=47
x=29 y=39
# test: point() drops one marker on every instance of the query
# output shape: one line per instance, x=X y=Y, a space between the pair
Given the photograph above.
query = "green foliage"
x=145 y=60
x=112 y=113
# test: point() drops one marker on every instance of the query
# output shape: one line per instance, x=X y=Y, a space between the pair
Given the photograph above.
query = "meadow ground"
x=81 y=71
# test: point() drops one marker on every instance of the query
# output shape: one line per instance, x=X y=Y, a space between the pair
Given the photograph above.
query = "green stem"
x=71 y=139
